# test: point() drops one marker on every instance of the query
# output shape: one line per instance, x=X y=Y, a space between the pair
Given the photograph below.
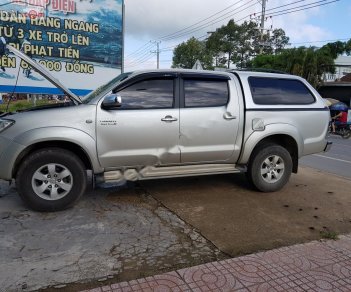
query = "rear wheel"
x=270 y=167
x=51 y=179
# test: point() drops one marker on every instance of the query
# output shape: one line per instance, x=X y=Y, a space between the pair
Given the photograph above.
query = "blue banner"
x=79 y=41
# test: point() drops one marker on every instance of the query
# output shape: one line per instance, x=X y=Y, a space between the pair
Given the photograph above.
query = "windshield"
x=106 y=87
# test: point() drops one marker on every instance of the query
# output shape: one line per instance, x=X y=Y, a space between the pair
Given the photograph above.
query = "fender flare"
x=66 y=134
x=270 y=130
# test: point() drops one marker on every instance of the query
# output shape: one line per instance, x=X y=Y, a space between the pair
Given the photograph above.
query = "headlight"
x=4 y=124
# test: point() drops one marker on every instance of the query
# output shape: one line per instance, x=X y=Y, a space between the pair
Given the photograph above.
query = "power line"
x=276 y=13
x=135 y=65
x=306 y=7
x=207 y=18
x=323 y=41
x=148 y=55
x=172 y=47
x=141 y=57
x=214 y=21
x=184 y=31
x=140 y=61
x=281 y=6
x=230 y=14
x=144 y=47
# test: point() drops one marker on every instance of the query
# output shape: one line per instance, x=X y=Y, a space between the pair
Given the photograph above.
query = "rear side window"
x=272 y=91
x=205 y=92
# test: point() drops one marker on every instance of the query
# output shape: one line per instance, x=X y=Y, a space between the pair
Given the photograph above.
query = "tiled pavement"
x=314 y=266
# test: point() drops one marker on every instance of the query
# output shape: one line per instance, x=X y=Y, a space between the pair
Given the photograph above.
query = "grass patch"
x=22 y=105
x=329 y=235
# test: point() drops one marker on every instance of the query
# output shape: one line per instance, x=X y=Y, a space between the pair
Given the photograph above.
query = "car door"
x=209 y=119
x=145 y=129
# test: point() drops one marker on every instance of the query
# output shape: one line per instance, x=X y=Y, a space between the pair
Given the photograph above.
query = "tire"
x=346 y=133
x=51 y=179
x=270 y=168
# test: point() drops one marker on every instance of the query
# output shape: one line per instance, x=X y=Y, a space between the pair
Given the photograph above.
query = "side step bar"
x=151 y=172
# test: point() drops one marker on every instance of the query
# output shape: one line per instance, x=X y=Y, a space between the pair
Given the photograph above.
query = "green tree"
x=231 y=43
x=187 y=53
x=336 y=48
x=278 y=40
x=310 y=63
x=237 y=44
x=348 y=47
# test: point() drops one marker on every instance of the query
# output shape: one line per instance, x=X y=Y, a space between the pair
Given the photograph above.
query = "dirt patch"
x=241 y=221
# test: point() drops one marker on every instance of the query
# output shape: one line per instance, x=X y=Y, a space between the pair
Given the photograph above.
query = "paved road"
x=336 y=161
x=110 y=232
x=155 y=226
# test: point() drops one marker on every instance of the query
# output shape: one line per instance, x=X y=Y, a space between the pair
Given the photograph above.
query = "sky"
x=151 y=21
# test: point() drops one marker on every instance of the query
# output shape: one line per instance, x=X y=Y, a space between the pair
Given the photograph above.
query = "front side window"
x=205 y=93
x=148 y=94
x=273 y=91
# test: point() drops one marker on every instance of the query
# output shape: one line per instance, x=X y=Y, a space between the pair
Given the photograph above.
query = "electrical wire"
x=215 y=21
x=182 y=31
x=323 y=41
x=207 y=18
x=220 y=19
x=144 y=47
x=275 y=13
x=230 y=14
x=141 y=57
x=135 y=65
x=140 y=60
x=306 y=7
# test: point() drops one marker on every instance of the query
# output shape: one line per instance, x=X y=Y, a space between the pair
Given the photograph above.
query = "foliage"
x=22 y=104
x=244 y=46
x=329 y=235
x=335 y=49
x=230 y=44
x=187 y=53
x=278 y=40
x=310 y=63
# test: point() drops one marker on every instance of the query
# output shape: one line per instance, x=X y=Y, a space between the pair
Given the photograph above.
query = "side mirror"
x=112 y=101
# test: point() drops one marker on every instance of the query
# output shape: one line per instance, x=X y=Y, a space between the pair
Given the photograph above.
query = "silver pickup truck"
x=160 y=124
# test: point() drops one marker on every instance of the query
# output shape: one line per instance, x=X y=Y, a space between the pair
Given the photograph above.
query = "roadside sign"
x=79 y=41
x=197 y=65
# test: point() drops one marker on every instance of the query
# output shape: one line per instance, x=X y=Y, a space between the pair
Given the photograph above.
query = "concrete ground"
x=145 y=229
x=112 y=234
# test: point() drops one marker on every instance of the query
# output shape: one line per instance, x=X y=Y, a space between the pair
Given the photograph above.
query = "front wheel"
x=346 y=133
x=51 y=179
x=270 y=167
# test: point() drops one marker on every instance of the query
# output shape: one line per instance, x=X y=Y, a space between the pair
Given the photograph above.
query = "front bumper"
x=328 y=146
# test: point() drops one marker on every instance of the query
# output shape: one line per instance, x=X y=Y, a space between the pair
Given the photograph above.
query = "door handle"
x=169 y=119
x=228 y=116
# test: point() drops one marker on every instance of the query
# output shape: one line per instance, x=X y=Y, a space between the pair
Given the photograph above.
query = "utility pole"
x=123 y=34
x=157 y=52
x=263 y=15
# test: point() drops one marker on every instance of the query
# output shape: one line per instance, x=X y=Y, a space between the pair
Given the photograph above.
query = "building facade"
x=342 y=68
